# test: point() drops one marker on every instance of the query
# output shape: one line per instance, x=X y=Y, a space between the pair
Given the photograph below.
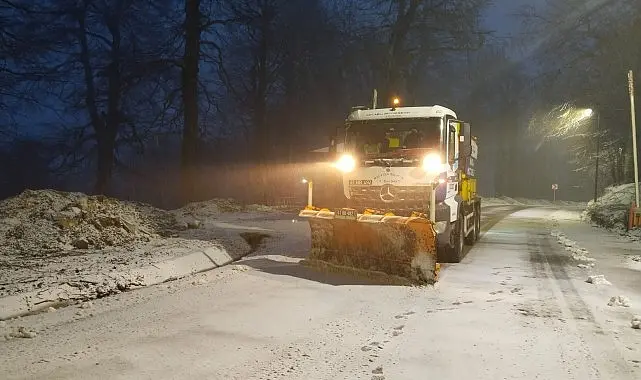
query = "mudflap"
x=387 y=249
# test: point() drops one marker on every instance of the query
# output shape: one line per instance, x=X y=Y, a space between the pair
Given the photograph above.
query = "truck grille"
x=403 y=199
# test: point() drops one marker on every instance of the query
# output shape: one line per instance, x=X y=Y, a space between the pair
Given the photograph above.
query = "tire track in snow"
x=552 y=300
x=557 y=262
x=550 y=265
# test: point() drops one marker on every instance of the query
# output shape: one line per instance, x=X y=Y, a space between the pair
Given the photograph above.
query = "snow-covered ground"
x=517 y=307
x=498 y=201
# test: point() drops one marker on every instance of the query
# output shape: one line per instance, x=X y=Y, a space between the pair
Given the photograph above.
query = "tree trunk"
x=106 y=147
x=396 y=56
x=191 y=59
x=107 y=136
x=262 y=136
x=104 y=128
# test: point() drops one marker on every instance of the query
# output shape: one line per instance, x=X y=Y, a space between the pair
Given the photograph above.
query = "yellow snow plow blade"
x=387 y=248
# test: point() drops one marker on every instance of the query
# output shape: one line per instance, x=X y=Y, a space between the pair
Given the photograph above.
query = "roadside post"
x=598 y=147
x=555 y=187
x=635 y=215
x=310 y=190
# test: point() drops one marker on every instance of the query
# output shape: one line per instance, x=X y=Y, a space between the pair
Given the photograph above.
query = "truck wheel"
x=474 y=235
x=453 y=252
x=477 y=223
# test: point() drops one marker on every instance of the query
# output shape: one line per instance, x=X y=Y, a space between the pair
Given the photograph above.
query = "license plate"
x=360 y=182
x=346 y=213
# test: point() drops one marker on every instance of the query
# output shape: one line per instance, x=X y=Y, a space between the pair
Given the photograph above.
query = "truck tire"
x=477 y=222
x=476 y=219
x=469 y=239
x=453 y=252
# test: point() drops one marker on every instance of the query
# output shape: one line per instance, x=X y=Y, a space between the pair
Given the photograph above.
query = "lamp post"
x=634 y=136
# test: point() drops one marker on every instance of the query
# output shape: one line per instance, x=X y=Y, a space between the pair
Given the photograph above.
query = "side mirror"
x=337 y=141
x=332 y=144
x=465 y=141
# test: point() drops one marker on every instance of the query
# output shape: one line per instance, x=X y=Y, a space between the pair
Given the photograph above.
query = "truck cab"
x=406 y=160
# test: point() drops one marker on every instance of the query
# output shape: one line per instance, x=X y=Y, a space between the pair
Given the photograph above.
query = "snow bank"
x=50 y=238
x=212 y=208
x=44 y=222
x=610 y=210
x=578 y=253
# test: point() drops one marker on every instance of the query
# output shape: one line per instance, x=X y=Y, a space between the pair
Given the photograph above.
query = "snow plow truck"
x=409 y=183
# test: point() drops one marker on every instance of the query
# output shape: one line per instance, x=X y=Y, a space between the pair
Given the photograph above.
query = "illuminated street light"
x=586 y=113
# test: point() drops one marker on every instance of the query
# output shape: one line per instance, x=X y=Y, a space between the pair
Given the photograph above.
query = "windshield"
x=382 y=137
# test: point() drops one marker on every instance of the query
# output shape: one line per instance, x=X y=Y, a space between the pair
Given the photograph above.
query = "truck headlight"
x=346 y=163
x=432 y=164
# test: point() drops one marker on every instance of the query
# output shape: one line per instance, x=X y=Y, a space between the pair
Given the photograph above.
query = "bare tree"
x=100 y=62
x=412 y=34
x=190 y=74
x=583 y=51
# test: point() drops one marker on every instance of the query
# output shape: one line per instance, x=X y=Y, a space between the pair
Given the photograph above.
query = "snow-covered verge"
x=577 y=252
x=610 y=210
x=50 y=239
x=609 y=260
x=500 y=201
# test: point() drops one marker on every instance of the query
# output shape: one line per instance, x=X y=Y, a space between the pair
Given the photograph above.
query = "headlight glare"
x=346 y=163
x=432 y=164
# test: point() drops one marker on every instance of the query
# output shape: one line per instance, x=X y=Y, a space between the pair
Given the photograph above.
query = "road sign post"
x=555 y=187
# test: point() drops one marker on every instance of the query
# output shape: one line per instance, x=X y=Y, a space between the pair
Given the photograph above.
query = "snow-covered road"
x=517 y=307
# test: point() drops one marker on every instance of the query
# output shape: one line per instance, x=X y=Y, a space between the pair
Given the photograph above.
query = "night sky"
x=501 y=16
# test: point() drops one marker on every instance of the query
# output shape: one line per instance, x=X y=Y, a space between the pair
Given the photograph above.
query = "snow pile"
x=636 y=322
x=197 y=211
x=260 y=208
x=636 y=258
x=44 y=222
x=212 y=207
x=598 y=280
x=578 y=253
x=610 y=210
x=52 y=238
x=619 y=301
